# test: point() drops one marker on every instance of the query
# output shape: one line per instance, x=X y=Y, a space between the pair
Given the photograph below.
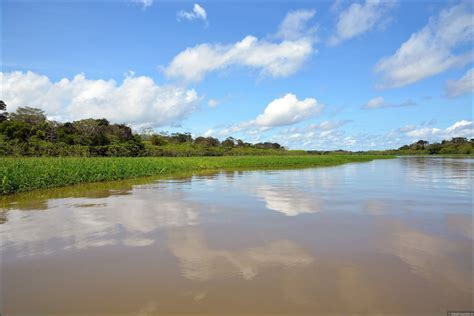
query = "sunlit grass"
x=25 y=174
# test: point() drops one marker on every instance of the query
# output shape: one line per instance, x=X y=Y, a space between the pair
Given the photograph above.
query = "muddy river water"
x=390 y=237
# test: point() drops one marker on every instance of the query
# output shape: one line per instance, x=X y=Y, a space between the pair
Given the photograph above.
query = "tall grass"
x=25 y=174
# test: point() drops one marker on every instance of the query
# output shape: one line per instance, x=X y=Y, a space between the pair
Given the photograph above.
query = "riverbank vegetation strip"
x=25 y=174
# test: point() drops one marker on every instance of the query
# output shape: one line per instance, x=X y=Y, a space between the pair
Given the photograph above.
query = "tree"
x=28 y=115
x=200 y=141
x=92 y=132
x=207 y=141
x=421 y=144
x=158 y=140
x=182 y=137
x=268 y=145
x=459 y=140
x=213 y=142
x=228 y=142
x=240 y=143
x=119 y=132
x=3 y=113
x=434 y=148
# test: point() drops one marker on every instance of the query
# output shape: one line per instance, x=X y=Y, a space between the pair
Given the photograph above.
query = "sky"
x=318 y=75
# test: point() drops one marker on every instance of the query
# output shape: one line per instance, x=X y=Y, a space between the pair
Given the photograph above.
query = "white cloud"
x=288 y=110
x=324 y=126
x=379 y=103
x=461 y=128
x=431 y=50
x=295 y=25
x=212 y=103
x=359 y=18
x=144 y=3
x=276 y=59
x=316 y=136
x=455 y=88
x=321 y=136
x=198 y=13
x=137 y=100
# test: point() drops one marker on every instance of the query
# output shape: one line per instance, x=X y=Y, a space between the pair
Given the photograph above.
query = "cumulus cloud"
x=359 y=18
x=284 y=111
x=431 y=50
x=144 y=3
x=288 y=110
x=455 y=88
x=137 y=100
x=463 y=128
x=379 y=103
x=198 y=13
x=276 y=59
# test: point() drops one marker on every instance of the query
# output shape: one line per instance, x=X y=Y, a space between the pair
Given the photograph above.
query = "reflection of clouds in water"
x=201 y=263
x=429 y=256
x=297 y=194
x=126 y=220
x=287 y=200
x=455 y=174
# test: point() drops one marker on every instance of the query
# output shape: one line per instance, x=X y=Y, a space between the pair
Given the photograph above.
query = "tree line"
x=457 y=145
x=28 y=132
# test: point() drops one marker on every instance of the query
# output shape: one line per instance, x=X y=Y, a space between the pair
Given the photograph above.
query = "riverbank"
x=26 y=174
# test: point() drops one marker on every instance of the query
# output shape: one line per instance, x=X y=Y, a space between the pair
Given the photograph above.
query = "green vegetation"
x=455 y=146
x=41 y=153
x=27 y=132
x=24 y=174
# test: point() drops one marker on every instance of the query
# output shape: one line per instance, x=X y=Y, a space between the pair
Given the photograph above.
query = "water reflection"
x=79 y=223
x=450 y=173
x=288 y=201
x=385 y=237
x=428 y=255
x=201 y=263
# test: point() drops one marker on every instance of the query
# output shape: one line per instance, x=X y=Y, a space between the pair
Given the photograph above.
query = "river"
x=388 y=237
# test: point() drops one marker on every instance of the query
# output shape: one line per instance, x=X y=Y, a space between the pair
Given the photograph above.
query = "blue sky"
x=313 y=75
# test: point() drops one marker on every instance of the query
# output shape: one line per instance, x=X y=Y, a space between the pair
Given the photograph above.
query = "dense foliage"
x=27 y=132
x=457 y=145
x=25 y=174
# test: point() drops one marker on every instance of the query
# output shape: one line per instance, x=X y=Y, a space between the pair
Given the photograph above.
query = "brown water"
x=390 y=237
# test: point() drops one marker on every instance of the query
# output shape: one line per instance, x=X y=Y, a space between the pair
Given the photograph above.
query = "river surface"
x=390 y=237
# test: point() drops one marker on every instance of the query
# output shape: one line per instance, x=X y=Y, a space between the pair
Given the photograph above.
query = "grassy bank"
x=25 y=174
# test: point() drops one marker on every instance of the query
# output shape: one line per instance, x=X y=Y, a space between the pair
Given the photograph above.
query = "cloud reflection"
x=288 y=201
x=428 y=256
x=116 y=220
x=199 y=262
